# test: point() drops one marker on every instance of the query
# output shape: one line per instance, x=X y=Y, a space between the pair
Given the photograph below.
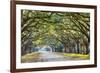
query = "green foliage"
x=57 y=28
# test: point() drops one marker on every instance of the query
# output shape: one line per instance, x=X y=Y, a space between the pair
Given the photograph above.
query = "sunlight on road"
x=48 y=55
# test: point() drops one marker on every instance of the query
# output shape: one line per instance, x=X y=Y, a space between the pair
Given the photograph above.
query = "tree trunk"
x=78 y=46
x=65 y=48
x=87 y=49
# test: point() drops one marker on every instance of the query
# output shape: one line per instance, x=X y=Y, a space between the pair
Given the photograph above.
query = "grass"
x=29 y=57
x=77 y=55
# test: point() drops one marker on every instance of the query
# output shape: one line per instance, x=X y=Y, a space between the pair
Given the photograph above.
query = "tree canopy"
x=64 y=31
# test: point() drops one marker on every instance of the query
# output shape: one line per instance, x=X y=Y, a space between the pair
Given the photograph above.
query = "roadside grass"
x=82 y=56
x=30 y=57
